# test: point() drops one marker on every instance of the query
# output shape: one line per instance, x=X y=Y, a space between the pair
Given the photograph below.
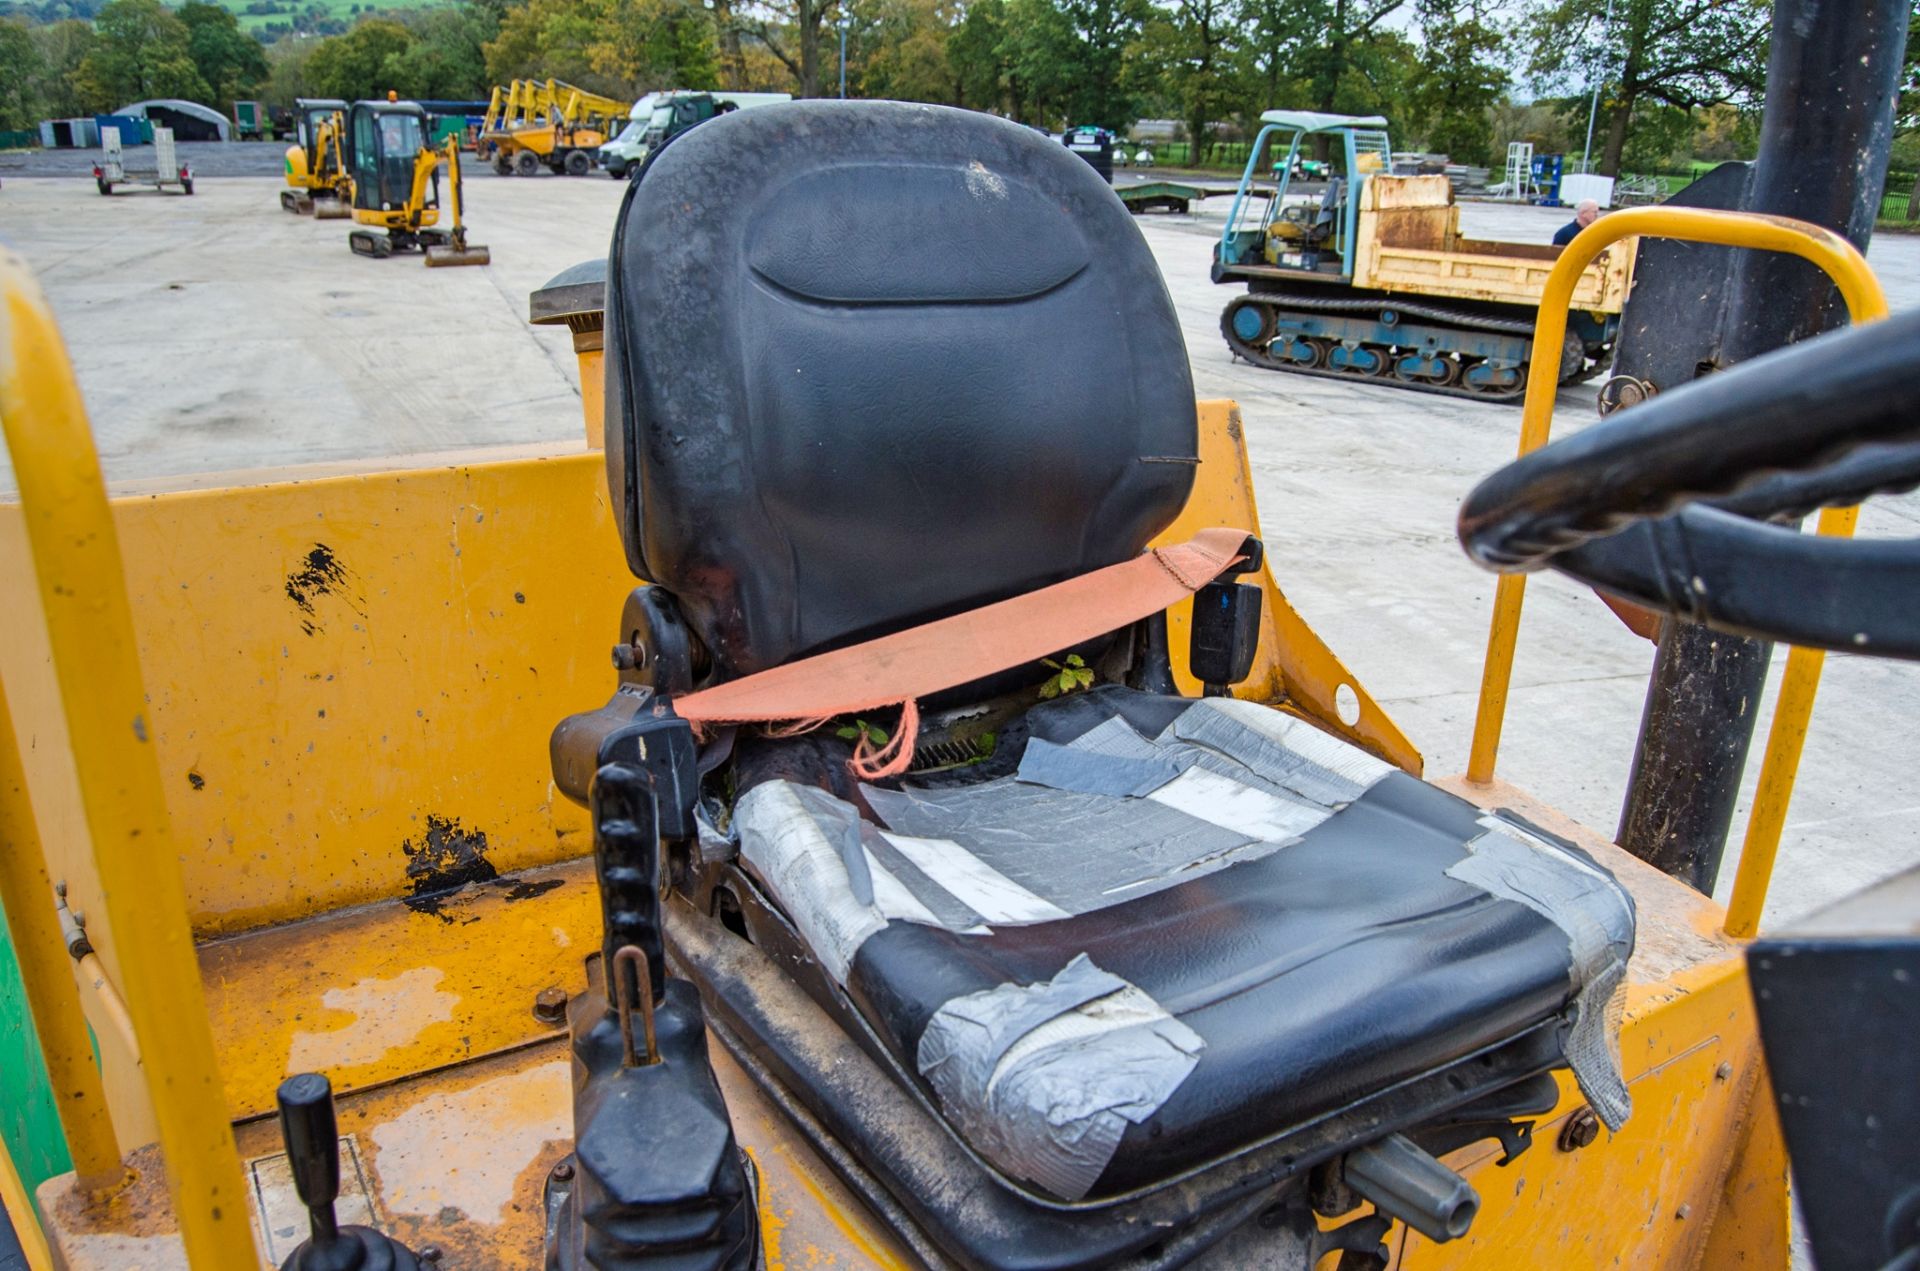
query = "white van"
x=655 y=117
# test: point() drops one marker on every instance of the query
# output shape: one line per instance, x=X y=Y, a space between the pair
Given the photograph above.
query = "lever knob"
x=313 y=1139
x=312 y=1135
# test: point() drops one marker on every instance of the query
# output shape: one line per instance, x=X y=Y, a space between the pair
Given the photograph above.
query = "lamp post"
x=845 y=21
x=1593 y=109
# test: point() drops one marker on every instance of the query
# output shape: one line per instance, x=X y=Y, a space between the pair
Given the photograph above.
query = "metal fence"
x=1228 y=156
x=1895 y=204
x=19 y=139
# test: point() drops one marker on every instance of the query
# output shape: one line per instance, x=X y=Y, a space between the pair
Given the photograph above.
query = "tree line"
x=1460 y=77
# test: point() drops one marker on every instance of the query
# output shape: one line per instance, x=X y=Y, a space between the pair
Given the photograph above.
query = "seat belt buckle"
x=1226 y=625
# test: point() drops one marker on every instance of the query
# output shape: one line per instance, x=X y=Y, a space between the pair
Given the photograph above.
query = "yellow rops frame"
x=1866 y=302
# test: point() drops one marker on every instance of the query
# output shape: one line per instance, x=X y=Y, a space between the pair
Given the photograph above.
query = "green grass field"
x=255 y=14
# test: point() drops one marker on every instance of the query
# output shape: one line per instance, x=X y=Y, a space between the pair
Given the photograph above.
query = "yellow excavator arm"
x=431 y=157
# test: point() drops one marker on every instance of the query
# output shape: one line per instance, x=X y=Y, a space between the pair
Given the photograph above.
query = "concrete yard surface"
x=217 y=333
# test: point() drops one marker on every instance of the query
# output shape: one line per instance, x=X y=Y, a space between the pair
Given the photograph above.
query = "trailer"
x=1166 y=196
x=251 y=121
x=113 y=169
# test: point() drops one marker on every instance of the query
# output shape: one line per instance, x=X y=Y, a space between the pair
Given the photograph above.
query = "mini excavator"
x=396 y=186
x=316 y=162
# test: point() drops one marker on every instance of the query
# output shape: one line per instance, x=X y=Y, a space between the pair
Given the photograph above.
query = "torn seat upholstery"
x=870 y=365
x=1180 y=927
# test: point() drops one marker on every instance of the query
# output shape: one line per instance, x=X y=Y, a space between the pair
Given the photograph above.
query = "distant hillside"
x=267 y=20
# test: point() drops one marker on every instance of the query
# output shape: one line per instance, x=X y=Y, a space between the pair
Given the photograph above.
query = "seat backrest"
x=1329 y=202
x=869 y=364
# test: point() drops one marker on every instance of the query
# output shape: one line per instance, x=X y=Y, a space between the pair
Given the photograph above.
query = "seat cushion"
x=1180 y=928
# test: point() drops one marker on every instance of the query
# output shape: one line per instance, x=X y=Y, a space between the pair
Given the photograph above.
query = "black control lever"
x=312 y=1136
x=656 y=1179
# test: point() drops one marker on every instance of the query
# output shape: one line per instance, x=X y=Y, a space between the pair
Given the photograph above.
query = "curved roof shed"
x=190 y=121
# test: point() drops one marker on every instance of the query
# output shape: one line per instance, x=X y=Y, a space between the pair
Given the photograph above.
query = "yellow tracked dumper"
x=970 y=858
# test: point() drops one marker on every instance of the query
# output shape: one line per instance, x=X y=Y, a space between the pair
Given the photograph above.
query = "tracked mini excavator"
x=1367 y=276
x=977 y=862
x=396 y=187
x=317 y=176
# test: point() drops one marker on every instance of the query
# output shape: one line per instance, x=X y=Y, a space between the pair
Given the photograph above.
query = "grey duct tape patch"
x=1112 y=815
x=1043 y=1079
x=1597 y=917
x=1081 y=852
x=805 y=846
x=1284 y=751
x=1085 y=771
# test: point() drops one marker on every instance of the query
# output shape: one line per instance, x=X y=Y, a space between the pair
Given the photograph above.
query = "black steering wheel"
x=1653 y=503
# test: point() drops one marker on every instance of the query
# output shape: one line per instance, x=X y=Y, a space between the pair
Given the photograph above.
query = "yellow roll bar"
x=1785 y=737
x=77 y=566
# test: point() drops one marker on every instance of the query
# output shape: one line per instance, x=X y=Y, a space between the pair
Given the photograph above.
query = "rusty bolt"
x=1581 y=1129
x=1683 y=1213
x=1723 y=1072
x=624 y=658
x=430 y=1253
x=563 y=1171
x=550 y=1006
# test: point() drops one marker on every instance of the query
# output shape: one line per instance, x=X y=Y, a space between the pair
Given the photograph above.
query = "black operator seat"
x=1327 y=219
x=873 y=364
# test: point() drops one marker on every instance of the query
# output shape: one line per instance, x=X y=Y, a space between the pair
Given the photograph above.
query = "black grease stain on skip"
x=527 y=889
x=446 y=858
x=321 y=573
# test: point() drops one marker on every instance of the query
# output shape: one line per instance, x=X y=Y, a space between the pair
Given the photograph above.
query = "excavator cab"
x=310 y=113
x=387 y=137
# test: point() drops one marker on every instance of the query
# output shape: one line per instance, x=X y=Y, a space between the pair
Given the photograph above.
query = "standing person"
x=1584 y=215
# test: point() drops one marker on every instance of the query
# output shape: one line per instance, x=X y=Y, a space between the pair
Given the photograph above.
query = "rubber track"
x=1433 y=313
x=1258 y=358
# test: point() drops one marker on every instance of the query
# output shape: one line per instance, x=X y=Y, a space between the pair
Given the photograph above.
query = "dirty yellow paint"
x=1650 y=1196
x=1408 y=240
x=18 y=1207
x=869 y=1253
x=520 y=1113
x=771 y=1223
x=377 y=993
x=455 y=615
x=1689 y=1048
x=86 y=610
x=380 y=1016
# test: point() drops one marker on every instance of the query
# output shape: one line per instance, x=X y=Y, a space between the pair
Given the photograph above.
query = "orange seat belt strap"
x=897 y=669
